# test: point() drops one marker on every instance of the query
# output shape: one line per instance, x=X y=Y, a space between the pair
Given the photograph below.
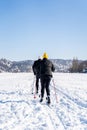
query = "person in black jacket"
x=47 y=68
x=36 y=71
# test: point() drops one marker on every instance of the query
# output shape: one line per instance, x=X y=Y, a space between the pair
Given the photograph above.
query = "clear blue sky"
x=28 y=28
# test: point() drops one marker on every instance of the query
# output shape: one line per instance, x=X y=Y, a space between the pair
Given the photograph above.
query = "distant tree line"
x=78 y=66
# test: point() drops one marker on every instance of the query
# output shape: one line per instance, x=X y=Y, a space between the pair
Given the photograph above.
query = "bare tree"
x=75 y=65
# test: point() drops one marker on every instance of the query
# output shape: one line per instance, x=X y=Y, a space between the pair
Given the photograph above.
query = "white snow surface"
x=19 y=110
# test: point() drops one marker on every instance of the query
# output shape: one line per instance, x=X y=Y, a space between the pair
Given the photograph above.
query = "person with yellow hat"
x=46 y=70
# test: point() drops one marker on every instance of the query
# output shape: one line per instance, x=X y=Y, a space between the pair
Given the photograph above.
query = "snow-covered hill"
x=15 y=66
x=20 y=110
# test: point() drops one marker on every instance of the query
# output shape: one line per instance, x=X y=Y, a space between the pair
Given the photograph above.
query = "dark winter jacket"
x=47 y=67
x=36 y=67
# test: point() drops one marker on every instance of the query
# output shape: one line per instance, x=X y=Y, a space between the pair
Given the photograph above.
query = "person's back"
x=36 y=67
x=47 y=67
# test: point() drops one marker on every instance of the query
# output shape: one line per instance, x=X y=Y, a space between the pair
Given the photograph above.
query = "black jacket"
x=47 y=67
x=36 y=67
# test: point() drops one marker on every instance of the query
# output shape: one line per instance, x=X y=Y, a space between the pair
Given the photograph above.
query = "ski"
x=49 y=105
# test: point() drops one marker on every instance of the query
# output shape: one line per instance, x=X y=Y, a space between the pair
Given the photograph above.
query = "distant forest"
x=78 y=66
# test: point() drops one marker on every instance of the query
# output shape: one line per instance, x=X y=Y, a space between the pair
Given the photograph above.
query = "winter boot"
x=37 y=91
x=41 y=99
x=48 y=100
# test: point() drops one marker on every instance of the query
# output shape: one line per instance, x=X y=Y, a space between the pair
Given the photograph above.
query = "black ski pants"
x=45 y=82
x=37 y=82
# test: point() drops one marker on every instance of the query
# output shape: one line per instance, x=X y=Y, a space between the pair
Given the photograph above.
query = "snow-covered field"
x=19 y=110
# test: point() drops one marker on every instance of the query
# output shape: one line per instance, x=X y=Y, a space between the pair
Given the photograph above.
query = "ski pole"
x=34 y=88
x=35 y=92
x=33 y=84
x=55 y=91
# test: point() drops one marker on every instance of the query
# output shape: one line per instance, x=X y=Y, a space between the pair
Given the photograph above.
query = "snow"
x=20 y=110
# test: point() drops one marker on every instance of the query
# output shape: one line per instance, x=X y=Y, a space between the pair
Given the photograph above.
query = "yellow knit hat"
x=45 y=55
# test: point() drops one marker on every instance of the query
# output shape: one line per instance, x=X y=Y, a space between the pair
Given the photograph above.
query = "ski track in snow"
x=19 y=109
